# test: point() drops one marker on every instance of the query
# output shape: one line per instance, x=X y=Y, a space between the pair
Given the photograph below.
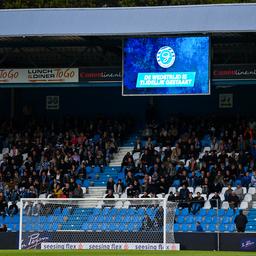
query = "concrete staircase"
x=118 y=157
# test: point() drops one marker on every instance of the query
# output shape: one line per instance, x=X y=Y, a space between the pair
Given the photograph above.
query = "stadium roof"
x=128 y=21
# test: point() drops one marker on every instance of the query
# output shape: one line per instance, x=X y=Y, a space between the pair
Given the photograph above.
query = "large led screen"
x=166 y=66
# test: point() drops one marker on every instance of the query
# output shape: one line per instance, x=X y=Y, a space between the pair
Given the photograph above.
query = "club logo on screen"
x=165 y=57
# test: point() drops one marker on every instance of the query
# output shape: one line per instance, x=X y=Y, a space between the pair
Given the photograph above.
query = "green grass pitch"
x=121 y=253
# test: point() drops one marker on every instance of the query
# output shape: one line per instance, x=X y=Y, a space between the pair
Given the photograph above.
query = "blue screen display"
x=166 y=66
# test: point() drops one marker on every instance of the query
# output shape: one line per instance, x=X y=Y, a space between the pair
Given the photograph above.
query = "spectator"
x=239 y=192
x=66 y=191
x=127 y=163
x=119 y=187
x=159 y=217
x=189 y=201
x=3 y=205
x=228 y=192
x=233 y=200
x=197 y=204
x=171 y=197
x=3 y=228
x=146 y=223
x=110 y=184
x=199 y=228
x=205 y=186
x=240 y=221
x=78 y=192
x=145 y=195
x=184 y=192
x=253 y=179
x=130 y=191
x=129 y=178
x=136 y=188
x=215 y=201
x=246 y=180
x=13 y=209
x=137 y=146
x=57 y=192
x=163 y=186
x=110 y=194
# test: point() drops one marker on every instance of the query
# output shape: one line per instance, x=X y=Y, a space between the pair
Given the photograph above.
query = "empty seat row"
x=206 y=227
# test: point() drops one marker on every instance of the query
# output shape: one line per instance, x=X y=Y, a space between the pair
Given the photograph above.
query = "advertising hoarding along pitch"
x=166 y=66
x=109 y=246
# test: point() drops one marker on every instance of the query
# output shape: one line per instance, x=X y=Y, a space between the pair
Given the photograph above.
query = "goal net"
x=120 y=223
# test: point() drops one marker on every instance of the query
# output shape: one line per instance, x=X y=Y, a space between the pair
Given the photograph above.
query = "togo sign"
x=39 y=75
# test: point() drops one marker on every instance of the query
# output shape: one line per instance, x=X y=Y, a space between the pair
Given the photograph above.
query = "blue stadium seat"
x=222 y=227
x=96 y=211
x=230 y=212
x=141 y=211
x=184 y=228
x=95 y=227
x=55 y=226
x=190 y=220
x=51 y=218
x=65 y=212
x=212 y=228
x=150 y=212
x=104 y=227
x=215 y=220
x=28 y=227
x=251 y=228
x=176 y=227
x=226 y=220
x=131 y=227
x=177 y=212
x=231 y=228
x=202 y=212
x=221 y=212
x=127 y=219
x=193 y=227
x=208 y=220
x=137 y=226
x=106 y=211
x=212 y=212
x=180 y=219
x=184 y=212
x=198 y=218
x=130 y=211
x=123 y=227
x=85 y=226
x=42 y=219
x=57 y=211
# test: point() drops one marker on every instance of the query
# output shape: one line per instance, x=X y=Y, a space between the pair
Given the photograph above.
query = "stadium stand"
x=205 y=172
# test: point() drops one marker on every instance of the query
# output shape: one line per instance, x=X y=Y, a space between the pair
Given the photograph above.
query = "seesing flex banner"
x=109 y=246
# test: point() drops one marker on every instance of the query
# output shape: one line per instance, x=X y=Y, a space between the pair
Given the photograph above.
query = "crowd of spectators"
x=50 y=159
x=193 y=152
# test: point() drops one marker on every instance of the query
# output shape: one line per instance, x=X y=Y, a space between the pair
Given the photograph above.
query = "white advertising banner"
x=109 y=246
x=39 y=75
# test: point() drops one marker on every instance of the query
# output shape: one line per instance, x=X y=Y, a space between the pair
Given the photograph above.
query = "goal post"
x=98 y=223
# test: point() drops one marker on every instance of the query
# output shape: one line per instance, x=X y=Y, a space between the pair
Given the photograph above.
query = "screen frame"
x=171 y=36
